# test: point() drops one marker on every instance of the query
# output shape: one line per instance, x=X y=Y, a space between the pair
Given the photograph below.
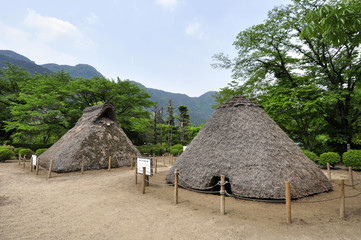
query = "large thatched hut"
x=95 y=137
x=243 y=143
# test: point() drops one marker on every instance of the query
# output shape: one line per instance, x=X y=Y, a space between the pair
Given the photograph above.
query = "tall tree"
x=184 y=120
x=170 y=120
x=278 y=54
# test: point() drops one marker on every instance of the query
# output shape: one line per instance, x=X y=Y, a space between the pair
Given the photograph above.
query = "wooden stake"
x=176 y=173
x=136 y=175
x=155 y=165
x=143 y=181
x=222 y=192
x=131 y=162
x=82 y=165
x=19 y=158
x=31 y=164
x=329 y=171
x=288 y=202
x=50 y=168
x=37 y=165
x=342 y=199
x=110 y=163
x=24 y=160
x=351 y=177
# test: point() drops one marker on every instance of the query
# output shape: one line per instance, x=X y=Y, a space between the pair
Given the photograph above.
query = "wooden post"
x=24 y=160
x=143 y=181
x=31 y=164
x=136 y=175
x=342 y=199
x=19 y=158
x=222 y=192
x=82 y=165
x=110 y=163
x=351 y=177
x=288 y=202
x=155 y=165
x=50 y=168
x=329 y=171
x=176 y=173
x=131 y=162
x=37 y=165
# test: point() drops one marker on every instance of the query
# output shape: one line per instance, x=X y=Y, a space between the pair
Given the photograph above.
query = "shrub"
x=40 y=151
x=352 y=158
x=17 y=150
x=26 y=151
x=176 y=149
x=312 y=156
x=5 y=154
x=329 y=157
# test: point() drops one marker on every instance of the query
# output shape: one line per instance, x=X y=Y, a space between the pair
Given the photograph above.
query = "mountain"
x=80 y=70
x=7 y=56
x=199 y=108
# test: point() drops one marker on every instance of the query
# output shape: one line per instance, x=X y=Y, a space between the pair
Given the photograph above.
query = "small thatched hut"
x=95 y=137
x=243 y=143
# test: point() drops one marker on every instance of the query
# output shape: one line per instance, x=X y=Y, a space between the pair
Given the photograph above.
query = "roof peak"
x=239 y=101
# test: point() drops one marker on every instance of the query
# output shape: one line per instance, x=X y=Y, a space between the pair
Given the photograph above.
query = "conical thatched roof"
x=243 y=143
x=95 y=137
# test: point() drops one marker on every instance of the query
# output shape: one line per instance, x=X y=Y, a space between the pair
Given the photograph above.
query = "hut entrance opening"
x=217 y=187
x=107 y=117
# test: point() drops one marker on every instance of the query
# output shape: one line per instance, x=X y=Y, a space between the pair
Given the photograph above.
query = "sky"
x=162 y=44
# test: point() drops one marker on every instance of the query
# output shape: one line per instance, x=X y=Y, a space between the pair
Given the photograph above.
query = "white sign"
x=147 y=163
x=35 y=159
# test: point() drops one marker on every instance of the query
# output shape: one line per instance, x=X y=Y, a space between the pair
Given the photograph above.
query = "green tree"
x=279 y=55
x=170 y=121
x=184 y=121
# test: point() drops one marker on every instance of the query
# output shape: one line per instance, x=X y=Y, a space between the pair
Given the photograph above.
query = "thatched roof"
x=243 y=143
x=95 y=137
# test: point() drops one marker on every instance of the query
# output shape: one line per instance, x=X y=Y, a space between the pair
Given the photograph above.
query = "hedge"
x=40 y=151
x=352 y=158
x=6 y=154
x=26 y=151
x=176 y=149
x=312 y=156
x=329 y=157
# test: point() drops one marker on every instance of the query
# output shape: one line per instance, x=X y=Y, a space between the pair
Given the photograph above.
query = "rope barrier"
x=160 y=184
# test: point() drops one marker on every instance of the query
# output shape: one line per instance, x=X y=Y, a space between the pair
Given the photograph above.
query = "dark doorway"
x=216 y=187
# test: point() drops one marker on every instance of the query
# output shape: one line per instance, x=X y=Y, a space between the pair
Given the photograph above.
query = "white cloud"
x=168 y=4
x=50 y=29
x=194 y=29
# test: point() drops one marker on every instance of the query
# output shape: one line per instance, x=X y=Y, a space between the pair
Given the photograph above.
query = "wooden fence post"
x=342 y=199
x=156 y=165
x=176 y=173
x=136 y=175
x=132 y=162
x=288 y=202
x=110 y=163
x=222 y=193
x=143 y=181
x=329 y=171
x=19 y=158
x=31 y=164
x=351 y=177
x=24 y=160
x=82 y=165
x=37 y=165
x=50 y=168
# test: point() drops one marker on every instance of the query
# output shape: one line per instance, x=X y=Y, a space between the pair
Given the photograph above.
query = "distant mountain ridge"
x=199 y=107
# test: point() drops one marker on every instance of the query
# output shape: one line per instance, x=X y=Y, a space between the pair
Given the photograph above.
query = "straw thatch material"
x=243 y=143
x=95 y=137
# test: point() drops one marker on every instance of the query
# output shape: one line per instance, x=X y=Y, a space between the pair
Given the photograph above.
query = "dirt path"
x=107 y=205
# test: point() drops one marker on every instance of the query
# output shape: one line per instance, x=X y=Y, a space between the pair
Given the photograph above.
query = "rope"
x=184 y=182
x=159 y=184
x=256 y=199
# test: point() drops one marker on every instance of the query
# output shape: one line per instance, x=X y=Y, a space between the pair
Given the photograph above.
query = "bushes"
x=17 y=150
x=176 y=149
x=151 y=149
x=312 y=156
x=352 y=158
x=329 y=157
x=5 y=154
x=40 y=151
x=26 y=151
